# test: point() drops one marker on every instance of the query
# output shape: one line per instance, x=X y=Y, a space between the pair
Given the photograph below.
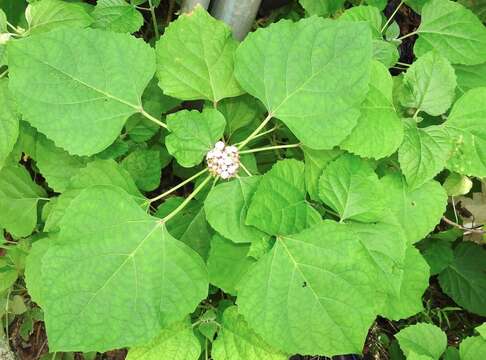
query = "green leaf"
x=92 y=89
x=470 y=77
x=370 y=14
x=422 y=339
x=193 y=134
x=466 y=126
x=438 y=254
x=454 y=31
x=227 y=263
x=463 y=280
x=414 y=211
x=228 y=217
x=416 y=5
x=131 y=276
x=144 y=166
x=429 y=84
x=457 y=185
x=307 y=297
x=423 y=153
x=239 y=112
x=117 y=16
x=380 y=4
x=33 y=265
x=472 y=348
x=3 y=22
x=176 y=342
x=321 y=7
x=315 y=163
x=55 y=164
x=195 y=58
x=379 y=131
x=313 y=75
x=411 y=287
x=278 y=206
x=18 y=200
x=478 y=7
x=237 y=341
x=9 y=122
x=385 y=52
x=350 y=186
x=47 y=15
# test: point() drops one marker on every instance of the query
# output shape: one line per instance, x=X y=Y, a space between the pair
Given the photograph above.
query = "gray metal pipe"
x=189 y=5
x=238 y=14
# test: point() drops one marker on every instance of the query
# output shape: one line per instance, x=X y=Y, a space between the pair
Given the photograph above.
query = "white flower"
x=4 y=38
x=223 y=161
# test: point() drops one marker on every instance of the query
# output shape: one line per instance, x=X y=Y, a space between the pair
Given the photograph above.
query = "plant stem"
x=245 y=169
x=416 y=114
x=390 y=19
x=403 y=64
x=466 y=229
x=187 y=200
x=4 y=73
x=270 y=148
x=154 y=20
x=256 y=132
x=151 y=118
x=408 y=35
x=262 y=134
x=188 y=180
x=7 y=336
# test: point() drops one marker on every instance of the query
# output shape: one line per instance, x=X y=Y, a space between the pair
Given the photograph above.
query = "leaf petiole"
x=256 y=132
x=269 y=148
x=390 y=19
x=152 y=118
x=154 y=20
x=408 y=35
x=171 y=190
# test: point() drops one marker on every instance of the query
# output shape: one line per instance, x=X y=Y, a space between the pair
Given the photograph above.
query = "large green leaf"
x=130 y=275
x=464 y=281
x=176 y=342
x=422 y=339
x=313 y=75
x=379 y=131
x=315 y=292
x=227 y=263
x=226 y=207
x=350 y=186
x=472 y=348
x=466 y=126
x=412 y=285
x=414 y=211
x=48 y=15
x=18 y=200
x=429 y=84
x=117 y=16
x=423 y=153
x=454 y=31
x=195 y=58
x=76 y=87
x=237 y=341
x=477 y=6
x=278 y=206
x=470 y=77
x=9 y=122
x=193 y=134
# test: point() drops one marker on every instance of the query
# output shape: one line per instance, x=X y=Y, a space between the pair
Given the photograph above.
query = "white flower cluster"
x=223 y=161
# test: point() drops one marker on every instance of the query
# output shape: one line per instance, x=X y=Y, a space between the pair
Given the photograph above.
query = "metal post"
x=238 y=14
x=189 y=5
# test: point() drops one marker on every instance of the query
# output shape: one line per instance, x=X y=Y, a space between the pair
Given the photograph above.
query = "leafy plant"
x=186 y=195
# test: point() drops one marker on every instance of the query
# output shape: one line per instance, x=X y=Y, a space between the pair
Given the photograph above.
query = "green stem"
x=245 y=169
x=416 y=114
x=151 y=118
x=408 y=35
x=188 y=180
x=187 y=200
x=270 y=148
x=262 y=134
x=7 y=336
x=4 y=73
x=256 y=132
x=390 y=19
x=403 y=64
x=154 y=20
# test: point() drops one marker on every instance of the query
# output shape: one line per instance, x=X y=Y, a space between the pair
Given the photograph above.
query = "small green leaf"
x=132 y=277
x=18 y=200
x=117 y=16
x=193 y=134
x=176 y=342
x=278 y=206
x=422 y=339
x=92 y=89
x=423 y=153
x=237 y=341
x=228 y=217
x=454 y=31
x=227 y=263
x=350 y=186
x=313 y=75
x=456 y=184
x=144 y=166
x=239 y=112
x=385 y=52
x=429 y=84
x=379 y=131
x=472 y=348
x=466 y=126
x=463 y=280
x=47 y=15
x=9 y=122
x=370 y=14
x=195 y=58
